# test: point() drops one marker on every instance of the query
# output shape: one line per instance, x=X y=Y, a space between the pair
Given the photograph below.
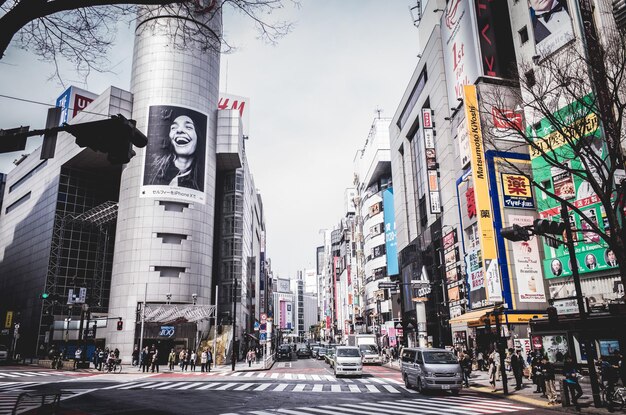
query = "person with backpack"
x=572 y=381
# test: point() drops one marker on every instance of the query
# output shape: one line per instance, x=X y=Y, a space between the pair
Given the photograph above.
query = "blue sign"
x=64 y=102
x=263 y=336
x=167 y=331
x=390 y=232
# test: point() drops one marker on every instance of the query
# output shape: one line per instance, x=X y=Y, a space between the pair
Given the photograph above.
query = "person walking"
x=480 y=360
x=203 y=360
x=144 y=359
x=517 y=366
x=155 y=361
x=537 y=371
x=466 y=366
x=171 y=360
x=571 y=381
x=135 y=361
x=250 y=357
x=192 y=360
x=181 y=359
x=77 y=355
x=494 y=368
x=209 y=360
x=550 y=381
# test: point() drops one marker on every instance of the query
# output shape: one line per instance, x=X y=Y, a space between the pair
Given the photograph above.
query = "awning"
x=469 y=317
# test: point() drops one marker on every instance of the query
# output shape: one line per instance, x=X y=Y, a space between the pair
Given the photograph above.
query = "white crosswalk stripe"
x=35 y=373
x=456 y=405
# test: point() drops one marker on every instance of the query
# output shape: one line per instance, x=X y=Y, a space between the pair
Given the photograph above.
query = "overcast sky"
x=313 y=98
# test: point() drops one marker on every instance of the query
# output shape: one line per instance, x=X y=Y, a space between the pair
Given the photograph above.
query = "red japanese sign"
x=471 y=202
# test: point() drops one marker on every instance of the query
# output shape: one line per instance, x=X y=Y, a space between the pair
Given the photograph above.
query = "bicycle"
x=115 y=366
x=618 y=398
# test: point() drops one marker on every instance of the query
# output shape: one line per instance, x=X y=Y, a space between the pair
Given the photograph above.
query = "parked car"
x=303 y=352
x=436 y=369
x=369 y=354
x=314 y=351
x=330 y=355
x=347 y=361
x=321 y=352
x=4 y=353
x=283 y=352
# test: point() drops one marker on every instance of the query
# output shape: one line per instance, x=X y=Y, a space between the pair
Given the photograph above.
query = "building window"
x=173 y=206
x=171 y=238
x=415 y=94
x=523 y=35
x=530 y=78
x=19 y=202
x=27 y=176
x=170 y=272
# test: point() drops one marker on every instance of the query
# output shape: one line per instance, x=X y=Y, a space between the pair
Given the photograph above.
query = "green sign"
x=591 y=252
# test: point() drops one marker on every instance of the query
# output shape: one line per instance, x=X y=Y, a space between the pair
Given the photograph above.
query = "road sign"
x=263 y=318
x=256 y=326
x=384 y=285
x=262 y=336
x=8 y=322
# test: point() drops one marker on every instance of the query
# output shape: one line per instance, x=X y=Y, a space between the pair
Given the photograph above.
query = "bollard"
x=564 y=394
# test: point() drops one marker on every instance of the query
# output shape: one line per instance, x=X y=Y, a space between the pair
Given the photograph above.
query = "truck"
x=367 y=345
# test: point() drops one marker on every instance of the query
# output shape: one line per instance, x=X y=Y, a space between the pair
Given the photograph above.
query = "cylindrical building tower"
x=164 y=239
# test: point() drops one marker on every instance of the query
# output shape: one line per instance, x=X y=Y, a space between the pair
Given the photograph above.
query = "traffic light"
x=120 y=325
x=545 y=226
x=13 y=139
x=515 y=233
x=44 y=296
x=114 y=136
x=395 y=278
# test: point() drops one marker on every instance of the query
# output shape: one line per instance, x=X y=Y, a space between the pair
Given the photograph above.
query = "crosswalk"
x=37 y=373
x=283 y=376
x=10 y=391
x=357 y=386
x=455 y=405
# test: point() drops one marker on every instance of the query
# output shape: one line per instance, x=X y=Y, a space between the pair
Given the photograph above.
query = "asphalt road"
x=298 y=387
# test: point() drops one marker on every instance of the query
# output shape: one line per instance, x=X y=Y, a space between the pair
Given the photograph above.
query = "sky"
x=313 y=98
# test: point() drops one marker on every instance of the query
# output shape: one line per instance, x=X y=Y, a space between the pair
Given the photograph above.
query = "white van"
x=431 y=369
x=348 y=361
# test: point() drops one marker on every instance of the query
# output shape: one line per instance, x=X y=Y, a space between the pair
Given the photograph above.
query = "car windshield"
x=439 y=357
x=368 y=348
x=322 y=351
x=348 y=353
x=285 y=348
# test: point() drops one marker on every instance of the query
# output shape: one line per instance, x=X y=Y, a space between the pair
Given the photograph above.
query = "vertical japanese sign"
x=431 y=161
x=480 y=181
x=390 y=232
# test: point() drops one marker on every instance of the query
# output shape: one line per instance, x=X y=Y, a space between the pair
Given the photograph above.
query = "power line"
x=30 y=101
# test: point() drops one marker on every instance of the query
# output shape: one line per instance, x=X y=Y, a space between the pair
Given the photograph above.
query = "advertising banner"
x=460 y=48
x=592 y=253
x=289 y=315
x=516 y=191
x=481 y=194
x=283 y=315
x=174 y=162
x=390 y=232
x=72 y=101
x=552 y=25
x=476 y=279
x=527 y=265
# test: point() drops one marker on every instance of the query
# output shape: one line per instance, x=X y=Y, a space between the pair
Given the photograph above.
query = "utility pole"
x=585 y=342
x=234 y=353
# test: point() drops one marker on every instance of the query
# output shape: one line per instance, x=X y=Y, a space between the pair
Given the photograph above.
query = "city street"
x=296 y=387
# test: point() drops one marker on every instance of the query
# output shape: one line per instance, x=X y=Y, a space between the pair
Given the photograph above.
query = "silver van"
x=427 y=368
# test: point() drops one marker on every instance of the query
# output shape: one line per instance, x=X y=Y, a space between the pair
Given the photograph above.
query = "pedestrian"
x=549 y=378
x=517 y=366
x=181 y=360
x=145 y=355
x=186 y=361
x=171 y=360
x=135 y=361
x=610 y=376
x=480 y=360
x=494 y=368
x=538 y=379
x=116 y=352
x=466 y=366
x=621 y=364
x=77 y=355
x=192 y=360
x=571 y=381
x=203 y=359
x=250 y=357
x=155 y=361
x=209 y=360
x=100 y=358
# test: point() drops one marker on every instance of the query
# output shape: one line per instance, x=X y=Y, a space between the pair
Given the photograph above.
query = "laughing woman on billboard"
x=176 y=145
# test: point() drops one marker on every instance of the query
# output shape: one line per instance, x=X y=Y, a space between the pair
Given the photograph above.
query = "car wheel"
x=418 y=384
x=455 y=392
x=407 y=384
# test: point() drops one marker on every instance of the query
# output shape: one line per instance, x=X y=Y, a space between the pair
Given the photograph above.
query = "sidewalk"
x=479 y=382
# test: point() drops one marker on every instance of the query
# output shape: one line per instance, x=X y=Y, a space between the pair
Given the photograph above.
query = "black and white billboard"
x=174 y=163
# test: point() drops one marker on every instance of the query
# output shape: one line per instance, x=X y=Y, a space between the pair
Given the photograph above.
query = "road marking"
x=171 y=385
x=120 y=385
x=8 y=375
x=249 y=374
x=390 y=389
x=226 y=386
x=318 y=388
x=274 y=376
x=330 y=378
x=299 y=387
x=208 y=386
x=316 y=377
x=190 y=385
x=37 y=373
x=149 y=385
x=261 y=375
x=347 y=410
x=377 y=380
x=301 y=377
x=322 y=411
x=354 y=388
x=244 y=386
x=362 y=380
x=236 y=374
x=262 y=386
x=288 y=376
x=427 y=404
x=335 y=388
x=281 y=387
x=372 y=388
x=348 y=380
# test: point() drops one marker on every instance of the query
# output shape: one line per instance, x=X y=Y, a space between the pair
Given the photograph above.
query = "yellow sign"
x=8 y=322
x=479 y=174
x=578 y=129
